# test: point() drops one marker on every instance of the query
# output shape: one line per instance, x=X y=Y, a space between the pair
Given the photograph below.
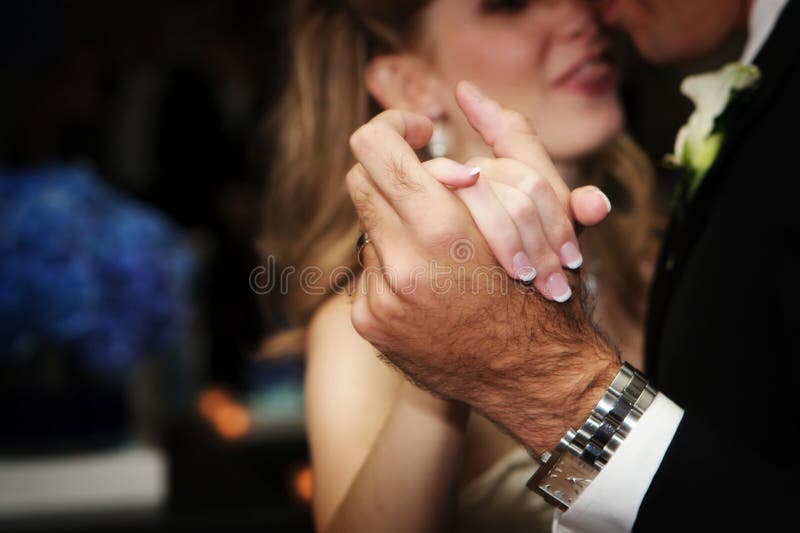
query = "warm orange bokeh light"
x=229 y=418
x=302 y=483
x=210 y=400
x=232 y=421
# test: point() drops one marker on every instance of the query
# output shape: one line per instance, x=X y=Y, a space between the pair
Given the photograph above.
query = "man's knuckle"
x=387 y=307
x=358 y=186
x=440 y=237
x=363 y=320
x=359 y=138
x=404 y=180
x=355 y=177
x=362 y=200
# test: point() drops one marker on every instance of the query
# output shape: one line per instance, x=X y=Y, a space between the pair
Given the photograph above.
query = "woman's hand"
x=523 y=208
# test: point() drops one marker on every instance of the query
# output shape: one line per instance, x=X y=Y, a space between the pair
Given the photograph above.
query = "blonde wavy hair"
x=309 y=220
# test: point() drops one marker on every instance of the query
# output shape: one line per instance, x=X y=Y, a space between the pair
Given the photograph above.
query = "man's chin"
x=677 y=50
x=660 y=53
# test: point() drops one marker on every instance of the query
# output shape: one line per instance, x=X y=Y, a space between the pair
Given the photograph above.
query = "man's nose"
x=606 y=10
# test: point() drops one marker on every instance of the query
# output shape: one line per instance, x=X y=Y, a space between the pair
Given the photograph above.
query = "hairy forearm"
x=409 y=480
x=536 y=390
x=539 y=416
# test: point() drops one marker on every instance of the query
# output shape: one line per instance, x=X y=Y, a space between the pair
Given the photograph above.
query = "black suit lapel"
x=780 y=51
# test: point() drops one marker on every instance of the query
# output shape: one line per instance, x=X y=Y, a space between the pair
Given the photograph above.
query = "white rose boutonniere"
x=700 y=139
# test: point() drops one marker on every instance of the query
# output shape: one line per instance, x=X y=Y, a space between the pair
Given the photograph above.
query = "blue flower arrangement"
x=87 y=271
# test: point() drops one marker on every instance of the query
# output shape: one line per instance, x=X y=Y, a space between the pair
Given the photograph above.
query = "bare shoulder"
x=349 y=394
x=332 y=340
x=344 y=371
x=332 y=318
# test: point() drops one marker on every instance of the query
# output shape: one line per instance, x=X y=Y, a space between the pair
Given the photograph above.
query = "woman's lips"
x=594 y=75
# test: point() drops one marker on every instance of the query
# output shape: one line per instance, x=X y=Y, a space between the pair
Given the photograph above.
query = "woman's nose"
x=575 y=18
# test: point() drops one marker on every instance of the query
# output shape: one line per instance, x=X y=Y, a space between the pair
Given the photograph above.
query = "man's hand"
x=433 y=300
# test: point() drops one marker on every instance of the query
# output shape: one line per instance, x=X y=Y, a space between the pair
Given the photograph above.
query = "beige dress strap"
x=499 y=501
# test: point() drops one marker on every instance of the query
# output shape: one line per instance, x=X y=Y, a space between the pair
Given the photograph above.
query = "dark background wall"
x=163 y=99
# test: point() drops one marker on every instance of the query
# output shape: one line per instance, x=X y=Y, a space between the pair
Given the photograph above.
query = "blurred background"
x=131 y=170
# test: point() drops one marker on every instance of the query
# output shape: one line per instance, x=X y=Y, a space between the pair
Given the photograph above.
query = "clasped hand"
x=429 y=298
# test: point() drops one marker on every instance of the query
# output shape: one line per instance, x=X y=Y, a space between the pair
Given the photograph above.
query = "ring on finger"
x=362 y=241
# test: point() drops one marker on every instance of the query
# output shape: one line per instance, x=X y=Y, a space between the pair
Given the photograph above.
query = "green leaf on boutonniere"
x=699 y=159
x=699 y=141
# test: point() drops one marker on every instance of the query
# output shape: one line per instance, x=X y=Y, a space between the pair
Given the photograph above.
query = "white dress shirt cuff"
x=611 y=502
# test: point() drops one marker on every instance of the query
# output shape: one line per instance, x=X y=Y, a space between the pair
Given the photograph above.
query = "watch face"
x=566 y=480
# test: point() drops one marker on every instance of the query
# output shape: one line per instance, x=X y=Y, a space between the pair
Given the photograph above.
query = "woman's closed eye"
x=504 y=6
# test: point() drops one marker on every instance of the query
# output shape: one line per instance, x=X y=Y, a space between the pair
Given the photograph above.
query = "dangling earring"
x=437 y=146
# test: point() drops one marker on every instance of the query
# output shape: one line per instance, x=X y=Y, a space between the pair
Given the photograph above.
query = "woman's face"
x=547 y=59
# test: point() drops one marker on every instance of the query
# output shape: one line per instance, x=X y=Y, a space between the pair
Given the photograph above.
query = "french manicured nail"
x=472 y=171
x=571 y=256
x=558 y=287
x=523 y=268
x=605 y=199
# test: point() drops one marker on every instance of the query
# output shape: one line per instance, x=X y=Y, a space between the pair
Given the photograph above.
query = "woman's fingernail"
x=523 y=268
x=571 y=256
x=558 y=288
x=605 y=199
x=472 y=171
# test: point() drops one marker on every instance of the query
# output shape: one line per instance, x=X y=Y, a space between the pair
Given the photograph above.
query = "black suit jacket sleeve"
x=723 y=326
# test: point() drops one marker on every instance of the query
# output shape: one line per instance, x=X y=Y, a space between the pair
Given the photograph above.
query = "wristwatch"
x=580 y=455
